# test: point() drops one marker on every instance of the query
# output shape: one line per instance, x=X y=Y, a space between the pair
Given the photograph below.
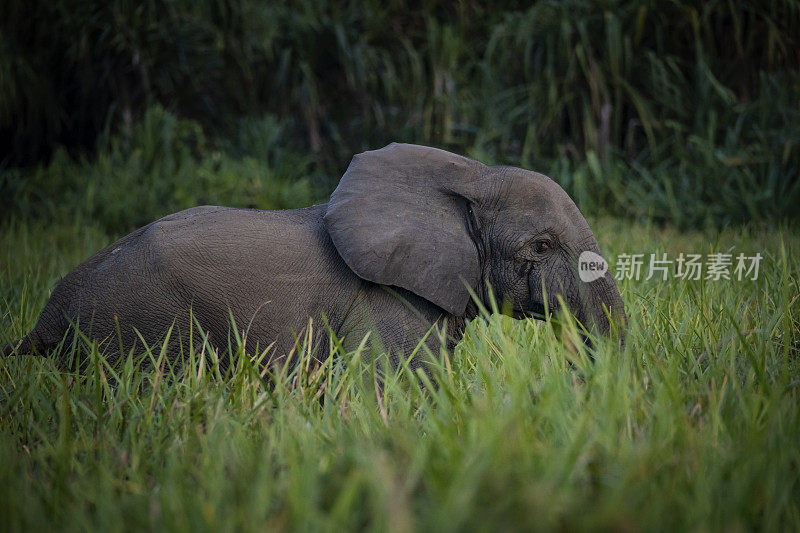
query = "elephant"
x=412 y=238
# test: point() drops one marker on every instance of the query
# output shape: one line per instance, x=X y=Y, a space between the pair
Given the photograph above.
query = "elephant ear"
x=400 y=217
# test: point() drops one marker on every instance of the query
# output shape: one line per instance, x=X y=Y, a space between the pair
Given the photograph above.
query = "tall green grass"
x=693 y=424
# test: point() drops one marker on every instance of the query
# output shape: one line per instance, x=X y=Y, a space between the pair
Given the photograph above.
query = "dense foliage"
x=682 y=111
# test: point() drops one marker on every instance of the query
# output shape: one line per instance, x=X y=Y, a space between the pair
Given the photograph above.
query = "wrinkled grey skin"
x=407 y=234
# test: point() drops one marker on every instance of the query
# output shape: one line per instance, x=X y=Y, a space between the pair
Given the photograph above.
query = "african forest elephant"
x=407 y=237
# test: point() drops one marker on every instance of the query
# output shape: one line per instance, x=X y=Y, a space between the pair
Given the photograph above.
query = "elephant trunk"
x=600 y=306
x=603 y=306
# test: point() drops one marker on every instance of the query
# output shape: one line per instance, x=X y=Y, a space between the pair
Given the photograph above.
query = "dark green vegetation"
x=681 y=111
x=674 y=118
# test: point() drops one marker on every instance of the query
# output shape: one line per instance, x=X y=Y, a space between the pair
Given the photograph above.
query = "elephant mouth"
x=533 y=310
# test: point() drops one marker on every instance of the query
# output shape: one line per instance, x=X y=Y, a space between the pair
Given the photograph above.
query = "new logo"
x=591 y=266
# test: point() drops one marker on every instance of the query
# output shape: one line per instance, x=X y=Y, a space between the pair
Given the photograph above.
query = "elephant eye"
x=541 y=246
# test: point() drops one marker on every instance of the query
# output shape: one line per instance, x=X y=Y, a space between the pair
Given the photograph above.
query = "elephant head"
x=442 y=226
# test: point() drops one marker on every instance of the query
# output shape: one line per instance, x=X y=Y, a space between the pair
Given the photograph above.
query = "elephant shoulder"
x=211 y=238
x=187 y=237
